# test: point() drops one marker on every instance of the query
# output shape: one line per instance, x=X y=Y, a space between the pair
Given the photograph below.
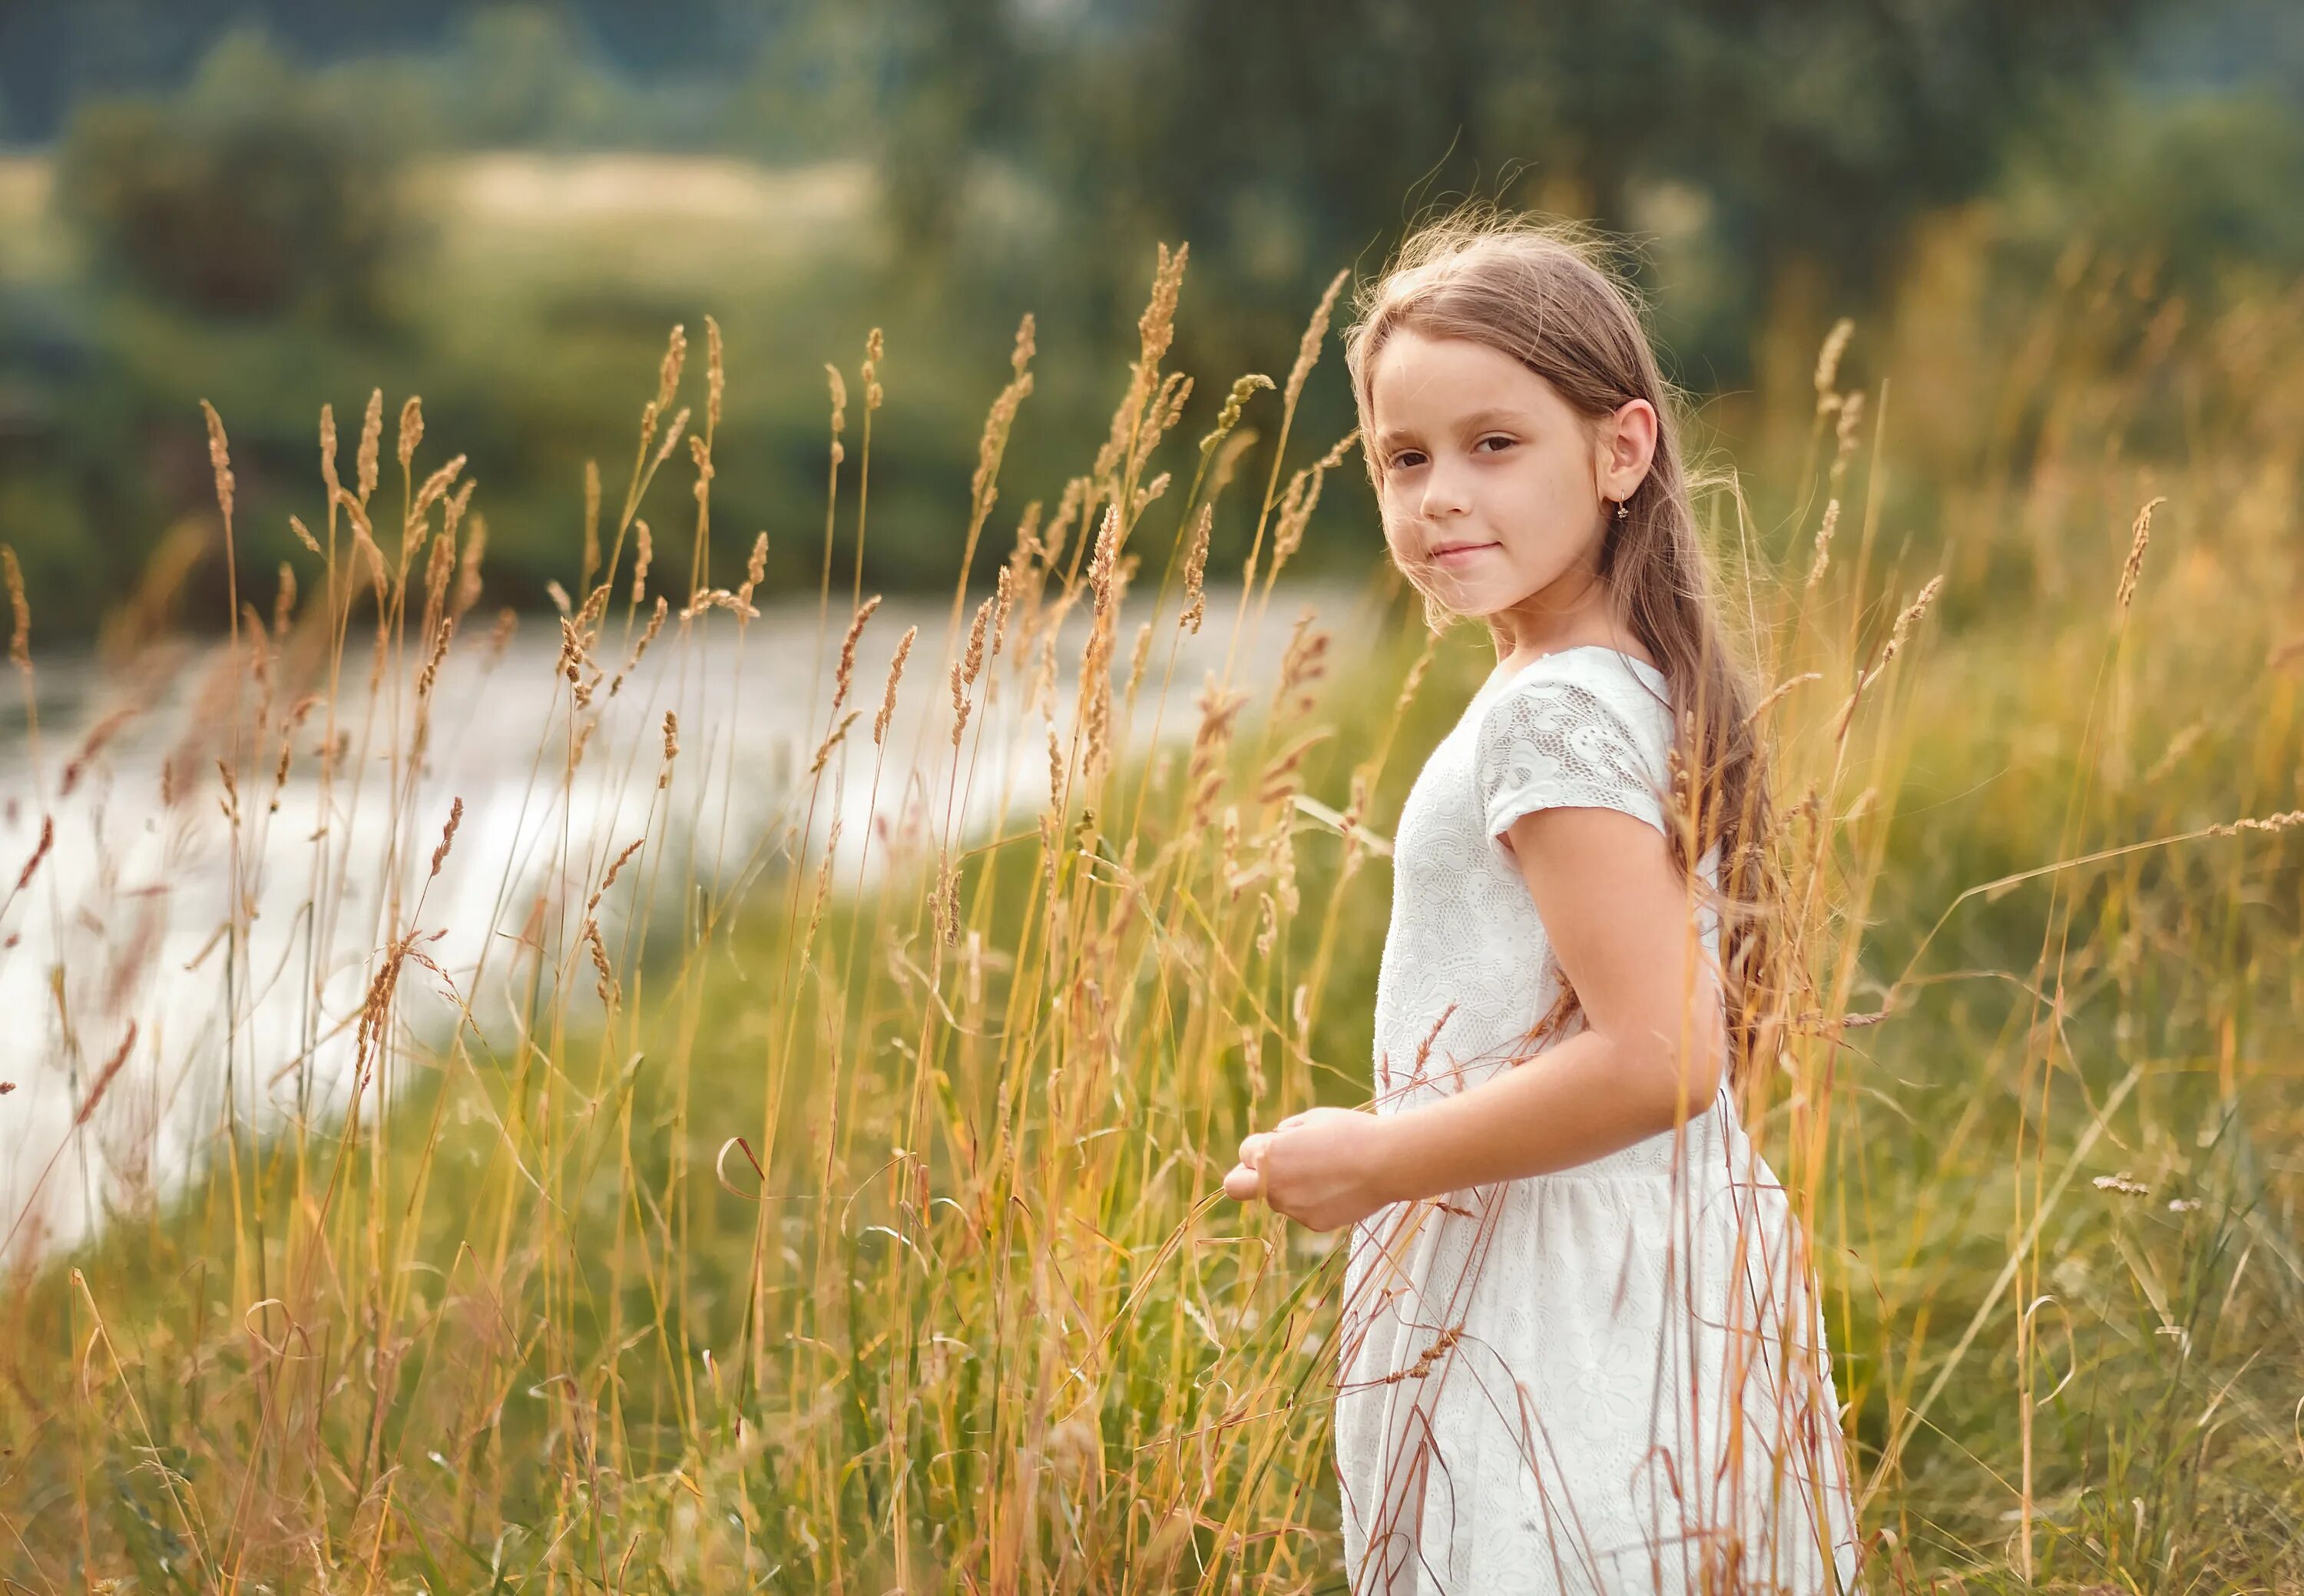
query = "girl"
x=1582 y=1349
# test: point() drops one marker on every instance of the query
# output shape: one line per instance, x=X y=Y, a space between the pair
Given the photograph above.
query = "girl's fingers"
x=1243 y=1183
x=1251 y=1147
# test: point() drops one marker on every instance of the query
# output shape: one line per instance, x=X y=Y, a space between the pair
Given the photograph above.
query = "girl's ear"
x=1628 y=444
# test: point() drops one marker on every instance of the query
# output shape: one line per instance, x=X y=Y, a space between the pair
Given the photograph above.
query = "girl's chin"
x=1478 y=599
x=1473 y=597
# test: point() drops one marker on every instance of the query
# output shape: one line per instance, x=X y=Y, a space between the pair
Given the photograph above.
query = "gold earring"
x=1622 y=512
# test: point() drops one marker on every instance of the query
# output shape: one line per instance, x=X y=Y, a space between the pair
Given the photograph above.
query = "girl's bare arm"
x=1622 y=924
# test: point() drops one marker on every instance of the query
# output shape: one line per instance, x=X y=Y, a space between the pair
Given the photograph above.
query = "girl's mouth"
x=1457 y=554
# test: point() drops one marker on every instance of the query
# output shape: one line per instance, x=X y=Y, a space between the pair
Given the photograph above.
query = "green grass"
x=979 y=1319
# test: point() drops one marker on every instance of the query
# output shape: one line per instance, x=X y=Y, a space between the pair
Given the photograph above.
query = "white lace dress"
x=1614 y=1378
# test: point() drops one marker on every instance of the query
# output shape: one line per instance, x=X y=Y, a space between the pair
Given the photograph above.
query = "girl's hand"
x=1320 y=1167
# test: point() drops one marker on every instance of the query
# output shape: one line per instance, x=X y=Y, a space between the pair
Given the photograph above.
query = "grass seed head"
x=283 y=602
x=1827 y=364
x=839 y=410
x=19 y=632
x=468 y=570
x=833 y=740
x=1228 y=459
x=700 y=454
x=756 y=567
x=1156 y=327
x=448 y=834
x=1138 y=654
x=715 y=375
x=591 y=520
x=411 y=430
x=105 y=1077
x=364 y=463
x=614 y=867
x=647 y=635
x=1068 y=506
x=436 y=488
x=974 y=664
x=895 y=675
x=1234 y=403
x=1845 y=437
x=1196 y=568
x=845 y=671
x=611 y=992
x=2285 y=821
x=1910 y=615
x=1308 y=348
x=219 y=459
x=667 y=374
x=1176 y=392
x=1003 y=594
x=875 y=350
x=2140 y=535
x=672 y=436
x=1824 y=543
x=328 y=452
x=595 y=605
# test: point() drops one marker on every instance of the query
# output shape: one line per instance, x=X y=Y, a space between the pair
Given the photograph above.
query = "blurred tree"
x=53 y=56
x=955 y=84
x=521 y=77
x=1285 y=136
x=250 y=194
x=2206 y=183
x=814 y=87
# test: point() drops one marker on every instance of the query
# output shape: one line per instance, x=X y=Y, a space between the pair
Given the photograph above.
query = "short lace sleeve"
x=1548 y=743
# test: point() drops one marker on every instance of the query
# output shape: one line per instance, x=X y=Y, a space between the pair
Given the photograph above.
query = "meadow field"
x=764 y=1214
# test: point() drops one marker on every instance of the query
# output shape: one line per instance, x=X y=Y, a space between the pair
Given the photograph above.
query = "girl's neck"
x=1527 y=631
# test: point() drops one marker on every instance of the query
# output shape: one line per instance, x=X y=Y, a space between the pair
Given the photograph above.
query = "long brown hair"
x=1540 y=292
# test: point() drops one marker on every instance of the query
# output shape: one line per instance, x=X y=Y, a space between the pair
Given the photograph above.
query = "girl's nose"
x=1443 y=493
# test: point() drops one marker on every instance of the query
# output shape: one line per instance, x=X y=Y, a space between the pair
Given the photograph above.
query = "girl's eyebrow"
x=1478 y=418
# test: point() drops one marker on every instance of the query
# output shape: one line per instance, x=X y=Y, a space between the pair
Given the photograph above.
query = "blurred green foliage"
x=299 y=207
x=253 y=193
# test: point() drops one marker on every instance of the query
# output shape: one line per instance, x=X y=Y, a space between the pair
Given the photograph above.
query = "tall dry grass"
x=728 y=1221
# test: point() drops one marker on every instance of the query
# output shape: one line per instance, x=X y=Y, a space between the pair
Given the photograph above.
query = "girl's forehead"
x=1426 y=379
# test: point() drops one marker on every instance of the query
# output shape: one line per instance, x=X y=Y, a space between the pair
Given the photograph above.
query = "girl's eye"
x=1409 y=458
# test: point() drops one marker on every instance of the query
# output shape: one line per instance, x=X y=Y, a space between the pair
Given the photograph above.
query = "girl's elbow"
x=1695 y=1082
x=1687 y=1075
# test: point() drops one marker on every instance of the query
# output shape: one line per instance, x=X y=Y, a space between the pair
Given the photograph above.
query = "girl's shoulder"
x=1588 y=726
x=1592 y=678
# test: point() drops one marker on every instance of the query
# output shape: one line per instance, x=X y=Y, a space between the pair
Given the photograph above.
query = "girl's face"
x=1494 y=491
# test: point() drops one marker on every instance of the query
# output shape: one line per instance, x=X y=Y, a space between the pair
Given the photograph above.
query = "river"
x=132 y=1029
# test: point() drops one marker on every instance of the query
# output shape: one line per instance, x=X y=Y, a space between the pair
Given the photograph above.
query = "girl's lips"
x=1460 y=553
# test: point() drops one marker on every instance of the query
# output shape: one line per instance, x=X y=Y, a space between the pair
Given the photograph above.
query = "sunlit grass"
x=769 y=1227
